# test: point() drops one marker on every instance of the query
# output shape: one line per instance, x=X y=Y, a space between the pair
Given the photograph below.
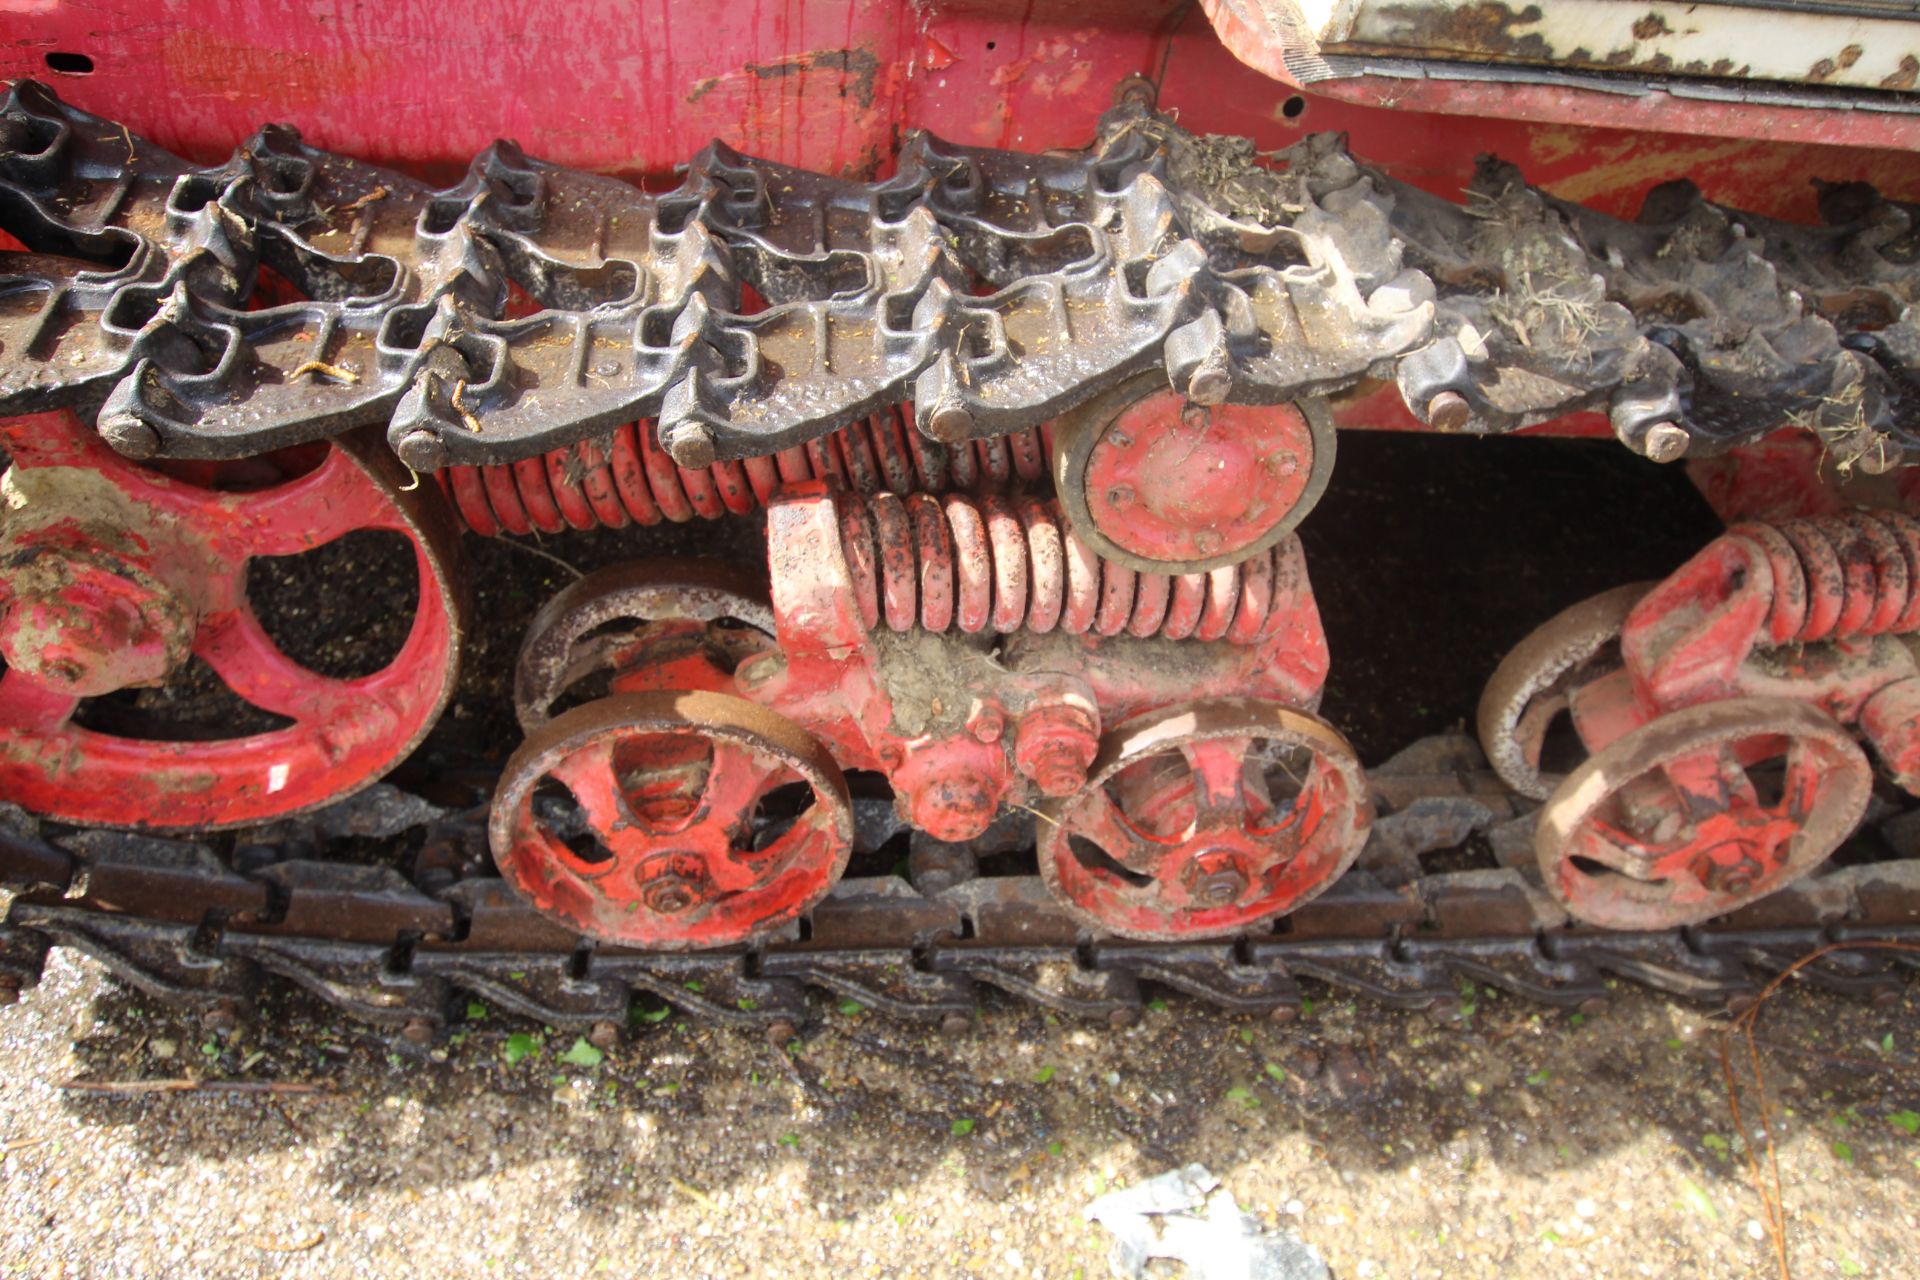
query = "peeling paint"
x=1726 y=41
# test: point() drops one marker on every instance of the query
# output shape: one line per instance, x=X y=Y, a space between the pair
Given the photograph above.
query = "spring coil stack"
x=1838 y=577
x=1011 y=564
x=629 y=478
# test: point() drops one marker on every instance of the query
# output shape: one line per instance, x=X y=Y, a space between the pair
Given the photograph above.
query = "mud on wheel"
x=114 y=575
x=1700 y=812
x=1205 y=820
x=672 y=820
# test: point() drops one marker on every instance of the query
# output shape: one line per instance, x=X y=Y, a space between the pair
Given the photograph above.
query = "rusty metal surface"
x=669 y=785
x=1722 y=713
x=1487 y=65
x=1864 y=48
x=1529 y=687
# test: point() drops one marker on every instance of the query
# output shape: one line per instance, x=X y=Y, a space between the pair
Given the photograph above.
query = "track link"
x=180 y=924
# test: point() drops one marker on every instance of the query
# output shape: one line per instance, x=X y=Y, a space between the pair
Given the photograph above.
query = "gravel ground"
x=1523 y=1142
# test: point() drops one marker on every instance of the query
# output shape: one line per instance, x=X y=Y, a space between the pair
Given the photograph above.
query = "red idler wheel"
x=671 y=821
x=1206 y=819
x=1163 y=485
x=1533 y=686
x=663 y=619
x=1701 y=811
x=112 y=574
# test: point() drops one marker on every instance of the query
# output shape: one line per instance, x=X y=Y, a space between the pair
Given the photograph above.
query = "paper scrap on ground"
x=1184 y=1216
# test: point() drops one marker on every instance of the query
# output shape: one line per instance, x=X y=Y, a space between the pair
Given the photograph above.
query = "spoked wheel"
x=1206 y=819
x=678 y=623
x=1522 y=709
x=1701 y=811
x=114 y=576
x=672 y=821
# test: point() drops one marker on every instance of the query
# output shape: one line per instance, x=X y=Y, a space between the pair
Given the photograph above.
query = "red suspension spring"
x=1841 y=576
x=632 y=480
x=1012 y=564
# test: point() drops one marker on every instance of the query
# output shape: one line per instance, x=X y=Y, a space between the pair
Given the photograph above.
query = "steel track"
x=185 y=927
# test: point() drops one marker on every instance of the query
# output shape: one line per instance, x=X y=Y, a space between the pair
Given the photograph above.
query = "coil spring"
x=1841 y=576
x=1013 y=564
x=631 y=479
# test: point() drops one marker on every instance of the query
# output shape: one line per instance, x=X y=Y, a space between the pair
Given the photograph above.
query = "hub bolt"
x=668 y=899
x=1216 y=879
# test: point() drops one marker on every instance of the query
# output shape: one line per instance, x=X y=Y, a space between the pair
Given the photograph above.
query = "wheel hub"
x=113 y=576
x=1217 y=878
x=1175 y=481
x=1164 y=485
x=86 y=625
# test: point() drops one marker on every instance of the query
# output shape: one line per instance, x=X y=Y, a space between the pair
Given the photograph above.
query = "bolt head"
x=956 y=1024
x=1222 y=889
x=603 y=1035
x=668 y=899
x=417 y=1031
x=1121 y=495
x=1216 y=879
x=1206 y=541
x=1881 y=456
x=1210 y=384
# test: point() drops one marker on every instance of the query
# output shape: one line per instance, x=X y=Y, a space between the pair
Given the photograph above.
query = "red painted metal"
x=989 y=565
x=1799 y=615
x=669 y=786
x=931 y=713
x=958 y=729
x=1671 y=823
x=1172 y=481
x=1204 y=818
x=829 y=88
x=630 y=479
x=112 y=575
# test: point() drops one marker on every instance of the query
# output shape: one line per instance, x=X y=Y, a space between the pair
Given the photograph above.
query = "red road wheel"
x=672 y=821
x=1525 y=703
x=1206 y=819
x=1701 y=811
x=112 y=575
x=1162 y=485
